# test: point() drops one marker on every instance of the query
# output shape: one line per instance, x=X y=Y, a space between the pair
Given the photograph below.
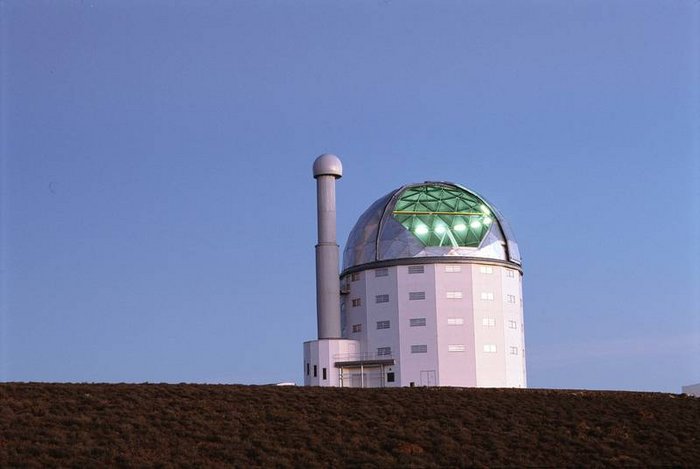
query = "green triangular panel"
x=439 y=215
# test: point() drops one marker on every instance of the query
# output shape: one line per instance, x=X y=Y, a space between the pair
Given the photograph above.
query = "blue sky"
x=157 y=212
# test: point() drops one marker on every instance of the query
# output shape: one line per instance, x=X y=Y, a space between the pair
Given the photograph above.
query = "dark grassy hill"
x=92 y=425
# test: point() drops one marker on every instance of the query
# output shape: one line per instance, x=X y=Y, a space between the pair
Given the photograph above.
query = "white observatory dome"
x=429 y=220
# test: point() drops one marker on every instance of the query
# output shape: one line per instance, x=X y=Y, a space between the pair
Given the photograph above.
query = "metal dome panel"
x=431 y=219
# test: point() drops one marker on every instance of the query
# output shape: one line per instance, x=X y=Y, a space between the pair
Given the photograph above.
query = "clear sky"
x=158 y=217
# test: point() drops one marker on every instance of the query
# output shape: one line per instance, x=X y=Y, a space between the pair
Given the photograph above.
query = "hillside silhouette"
x=92 y=425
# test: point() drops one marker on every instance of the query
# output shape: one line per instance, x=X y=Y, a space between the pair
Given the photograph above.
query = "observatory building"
x=430 y=292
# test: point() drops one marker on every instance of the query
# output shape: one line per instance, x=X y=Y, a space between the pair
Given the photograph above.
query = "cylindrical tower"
x=327 y=168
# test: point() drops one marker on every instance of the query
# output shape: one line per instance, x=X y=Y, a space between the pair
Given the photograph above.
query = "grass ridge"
x=57 y=424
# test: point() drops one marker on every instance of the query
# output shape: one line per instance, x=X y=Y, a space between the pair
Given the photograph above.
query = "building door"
x=428 y=378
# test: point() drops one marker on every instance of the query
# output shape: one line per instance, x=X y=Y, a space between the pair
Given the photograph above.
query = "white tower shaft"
x=327 y=168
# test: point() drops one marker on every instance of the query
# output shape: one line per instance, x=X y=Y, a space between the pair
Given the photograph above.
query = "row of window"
x=420 y=322
x=419 y=269
x=308 y=371
x=487 y=269
x=491 y=322
x=420 y=295
x=422 y=348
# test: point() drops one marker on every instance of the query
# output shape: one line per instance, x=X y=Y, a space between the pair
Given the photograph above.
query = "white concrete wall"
x=457 y=368
x=356 y=314
x=514 y=333
x=377 y=338
x=419 y=368
x=439 y=366
x=490 y=366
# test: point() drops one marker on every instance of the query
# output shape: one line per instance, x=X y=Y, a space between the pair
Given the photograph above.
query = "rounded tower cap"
x=328 y=165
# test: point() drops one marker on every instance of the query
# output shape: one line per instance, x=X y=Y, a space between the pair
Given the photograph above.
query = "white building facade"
x=431 y=295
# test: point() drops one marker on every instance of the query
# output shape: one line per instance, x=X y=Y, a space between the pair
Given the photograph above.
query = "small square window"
x=383 y=324
x=384 y=351
x=488 y=322
x=487 y=296
x=510 y=273
x=390 y=377
x=381 y=299
x=355 y=276
x=514 y=350
x=510 y=299
x=512 y=325
x=416 y=269
x=456 y=348
x=419 y=349
x=357 y=327
x=455 y=321
x=490 y=348
x=356 y=302
x=453 y=268
x=417 y=322
x=454 y=295
x=486 y=269
x=383 y=272
x=416 y=295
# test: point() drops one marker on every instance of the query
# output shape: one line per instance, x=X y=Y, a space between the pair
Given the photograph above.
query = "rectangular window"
x=383 y=272
x=390 y=377
x=455 y=321
x=514 y=350
x=383 y=324
x=355 y=277
x=512 y=325
x=356 y=302
x=416 y=295
x=324 y=373
x=488 y=322
x=416 y=269
x=417 y=322
x=490 y=348
x=357 y=327
x=315 y=371
x=456 y=348
x=510 y=299
x=381 y=299
x=453 y=268
x=419 y=349
x=486 y=269
x=454 y=295
x=384 y=351
x=510 y=273
x=487 y=296
x=307 y=370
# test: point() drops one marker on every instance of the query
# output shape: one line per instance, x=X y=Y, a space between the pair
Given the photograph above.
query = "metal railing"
x=352 y=357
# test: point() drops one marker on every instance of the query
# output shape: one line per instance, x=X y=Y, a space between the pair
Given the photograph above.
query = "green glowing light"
x=421 y=229
x=443 y=215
